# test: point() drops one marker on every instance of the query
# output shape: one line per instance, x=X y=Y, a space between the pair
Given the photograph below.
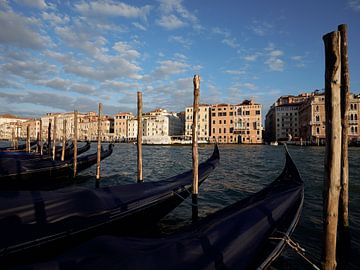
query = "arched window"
x=355 y=116
x=317 y=118
x=317 y=108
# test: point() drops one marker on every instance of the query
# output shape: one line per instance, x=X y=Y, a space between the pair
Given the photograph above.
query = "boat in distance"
x=34 y=223
x=249 y=234
x=43 y=174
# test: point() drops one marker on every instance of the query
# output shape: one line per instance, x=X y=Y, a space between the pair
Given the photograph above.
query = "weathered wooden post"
x=63 y=141
x=40 y=138
x=13 y=138
x=333 y=147
x=75 y=140
x=54 y=138
x=98 y=148
x=139 y=138
x=344 y=229
x=17 y=137
x=49 y=138
x=28 y=138
x=195 y=156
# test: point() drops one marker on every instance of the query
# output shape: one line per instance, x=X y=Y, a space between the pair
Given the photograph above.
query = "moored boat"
x=249 y=234
x=40 y=174
x=33 y=223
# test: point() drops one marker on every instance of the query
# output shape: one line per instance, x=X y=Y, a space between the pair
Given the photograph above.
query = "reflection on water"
x=243 y=170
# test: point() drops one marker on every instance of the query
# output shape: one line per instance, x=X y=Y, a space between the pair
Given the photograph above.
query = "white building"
x=203 y=122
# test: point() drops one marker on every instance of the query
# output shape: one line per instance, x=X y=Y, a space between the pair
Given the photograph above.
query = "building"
x=222 y=123
x=121 y=125
x=247 y=122
x=312 y=119
x=203 y=122
x=282 y=121
x=11 y=126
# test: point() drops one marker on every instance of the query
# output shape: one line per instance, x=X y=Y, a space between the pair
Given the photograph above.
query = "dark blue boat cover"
x=229 y=239
x=54 y=211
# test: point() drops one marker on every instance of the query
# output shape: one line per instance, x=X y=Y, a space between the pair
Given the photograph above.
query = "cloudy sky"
x=62 y=55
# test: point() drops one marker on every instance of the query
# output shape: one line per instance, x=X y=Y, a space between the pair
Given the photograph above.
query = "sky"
x=62 y=55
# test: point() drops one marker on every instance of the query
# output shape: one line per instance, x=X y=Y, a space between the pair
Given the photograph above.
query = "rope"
x=296 y=247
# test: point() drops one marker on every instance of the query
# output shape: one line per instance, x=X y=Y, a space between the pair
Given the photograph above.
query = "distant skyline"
x=57 y=56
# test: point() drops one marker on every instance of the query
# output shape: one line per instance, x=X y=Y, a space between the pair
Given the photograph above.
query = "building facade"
x=203 y=122
x=222 y=123
x=247 y=122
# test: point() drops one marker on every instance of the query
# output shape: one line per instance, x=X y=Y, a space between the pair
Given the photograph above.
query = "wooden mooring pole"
x=333 y=148
x=13 y=138
x=54 y=139
x=75 y=141
x=49 y=137
x=40 y=138
x=63 y=146
x=28 y=138
x=344 y=229
x=98 y=148
x=139 y=138
x=195 y=156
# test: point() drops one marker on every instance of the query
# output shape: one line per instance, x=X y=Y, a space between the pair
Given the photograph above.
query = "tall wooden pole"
x=75 y=141
x=63 y=141
x=49 y=138
x=344 y=229
x=98 y=148
x=17 y=137
x=195 y=156
x=139 y=138
x=28 y=138
x=54 y=138
x=333 y=147
x=13 y=138
x=40 y=138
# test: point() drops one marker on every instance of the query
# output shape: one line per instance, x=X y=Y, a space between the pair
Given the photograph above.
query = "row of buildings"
x=223 y=123
x=302 y=118
x=296 y=118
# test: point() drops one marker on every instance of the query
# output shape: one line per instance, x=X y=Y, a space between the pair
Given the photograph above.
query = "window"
x=224 y=121
x=213 y=114
x=219 y=121
x=219 y=130
x=231 y=113
x=258 y=112
x=214 y=121
x=224 y=130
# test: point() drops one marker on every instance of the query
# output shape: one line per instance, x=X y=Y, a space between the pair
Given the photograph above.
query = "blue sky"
x=57 y=56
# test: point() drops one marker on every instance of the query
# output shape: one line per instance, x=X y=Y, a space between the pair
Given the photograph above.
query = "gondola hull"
x=38 y=221
x=239 y=236
x=43 y=174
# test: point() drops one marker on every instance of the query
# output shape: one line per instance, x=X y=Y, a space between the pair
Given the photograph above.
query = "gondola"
x=33 y=221
x=69 y=153
x=18 y=174
x=21 y=147
x=244 y=235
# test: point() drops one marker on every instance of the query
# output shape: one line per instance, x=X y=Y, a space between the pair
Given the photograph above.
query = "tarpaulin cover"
x=30 y=215
x=228 y=239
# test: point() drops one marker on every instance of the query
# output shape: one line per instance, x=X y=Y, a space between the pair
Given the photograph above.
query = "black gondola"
x=241 y=236
x=18 y=174
x=30 y=221
x=21 y=147
x=69 y=152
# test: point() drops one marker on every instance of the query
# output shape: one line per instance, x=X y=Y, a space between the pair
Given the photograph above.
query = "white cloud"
x=251 y=57
x=175 y=15
x=273 y=61
x=55 y=19
x=39 y=4
x=19 y=31
x=228 y=39
x=186 y=43
x=139 y=26
x=112 y=8
x=170 y=22
x=354 y=5
x=261 y=28
x=275 y=64
x=125 y=50
x=299 y=60
x=235 y=72
x=170 y=67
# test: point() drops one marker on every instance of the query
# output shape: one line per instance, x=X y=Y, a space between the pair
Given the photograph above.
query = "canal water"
x=243 y=170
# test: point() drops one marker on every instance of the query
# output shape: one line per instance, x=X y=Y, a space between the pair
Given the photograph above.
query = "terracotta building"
x=247 y=122
x=222 y=123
